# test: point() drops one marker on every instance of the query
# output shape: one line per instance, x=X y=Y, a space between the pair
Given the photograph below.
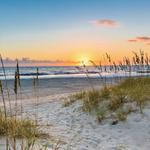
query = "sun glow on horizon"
x=83 y=59
x=52 y=35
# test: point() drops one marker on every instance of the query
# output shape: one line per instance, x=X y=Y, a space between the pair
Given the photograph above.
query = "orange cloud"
x=140 y=39
x=143 y=38
x=105 y=23
x=132 y=40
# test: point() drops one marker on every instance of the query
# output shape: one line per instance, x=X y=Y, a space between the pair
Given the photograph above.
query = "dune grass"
x=18 y=131
x=116 y=101
x=19 y=128
x=25 y=134
x=73 y=97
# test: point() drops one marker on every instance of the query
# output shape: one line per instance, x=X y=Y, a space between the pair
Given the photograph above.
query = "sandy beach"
x=81 y=131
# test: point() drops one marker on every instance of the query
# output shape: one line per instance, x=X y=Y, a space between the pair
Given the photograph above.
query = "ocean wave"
x=63 y=73
x=53 y=73
x=33 y=74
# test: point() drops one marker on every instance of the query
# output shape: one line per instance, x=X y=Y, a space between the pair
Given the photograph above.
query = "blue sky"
x=25 y=25
x=40 y=14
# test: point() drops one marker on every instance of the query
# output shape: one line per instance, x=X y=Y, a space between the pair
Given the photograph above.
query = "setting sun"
x=83 y=59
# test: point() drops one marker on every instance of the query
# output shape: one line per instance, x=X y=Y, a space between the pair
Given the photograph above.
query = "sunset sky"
x=73 y=30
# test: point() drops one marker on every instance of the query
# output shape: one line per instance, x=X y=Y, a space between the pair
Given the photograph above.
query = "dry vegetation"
x=19 y=128
x=116 y=101
x=15 y=128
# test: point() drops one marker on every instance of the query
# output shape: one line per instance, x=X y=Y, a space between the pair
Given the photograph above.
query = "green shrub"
x=121 y=114
x=105 y=93
x=101 y=114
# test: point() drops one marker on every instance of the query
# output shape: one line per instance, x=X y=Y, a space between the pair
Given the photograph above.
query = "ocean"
x=59 y=80
x=60 y=72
